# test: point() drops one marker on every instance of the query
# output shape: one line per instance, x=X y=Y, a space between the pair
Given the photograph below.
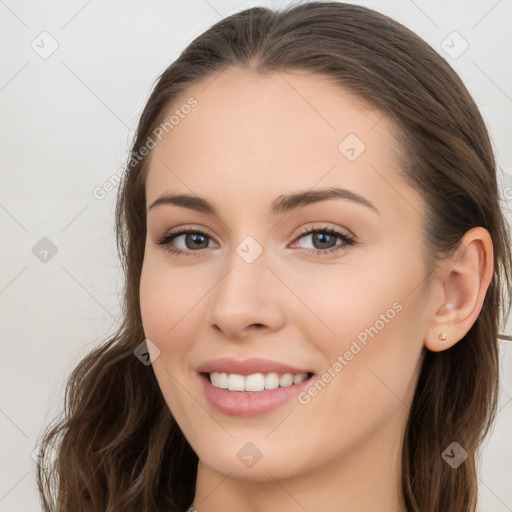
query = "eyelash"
x=346 y=239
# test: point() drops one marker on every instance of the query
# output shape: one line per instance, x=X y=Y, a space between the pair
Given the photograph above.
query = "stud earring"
x=443 y=336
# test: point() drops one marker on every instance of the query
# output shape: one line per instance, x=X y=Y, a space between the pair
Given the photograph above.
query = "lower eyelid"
x=345 y=238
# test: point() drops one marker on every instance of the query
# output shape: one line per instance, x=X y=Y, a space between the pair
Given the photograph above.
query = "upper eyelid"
x=348 y=240
x=305 y=231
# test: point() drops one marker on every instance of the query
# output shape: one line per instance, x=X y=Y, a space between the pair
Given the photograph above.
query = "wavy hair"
x=117 y=445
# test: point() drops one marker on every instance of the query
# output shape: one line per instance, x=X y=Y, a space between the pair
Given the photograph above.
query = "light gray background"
x=66 y=125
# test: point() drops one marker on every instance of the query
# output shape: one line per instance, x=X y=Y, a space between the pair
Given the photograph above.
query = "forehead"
x=271 y=134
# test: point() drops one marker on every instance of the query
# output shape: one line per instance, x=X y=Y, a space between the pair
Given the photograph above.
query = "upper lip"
x=248 y=366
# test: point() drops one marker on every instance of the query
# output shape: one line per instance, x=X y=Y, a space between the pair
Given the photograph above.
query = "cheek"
x=167 y=307
x=373 y=358
x=167 y=311
x=372 y=315
x=349 y=302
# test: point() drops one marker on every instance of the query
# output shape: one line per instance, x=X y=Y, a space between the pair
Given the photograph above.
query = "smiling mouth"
x=256 y=382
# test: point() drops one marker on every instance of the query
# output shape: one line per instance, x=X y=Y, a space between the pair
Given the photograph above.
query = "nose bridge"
x=246 y=294
x=247 y=272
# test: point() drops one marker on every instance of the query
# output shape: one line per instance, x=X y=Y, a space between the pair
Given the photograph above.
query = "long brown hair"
x=118 y=446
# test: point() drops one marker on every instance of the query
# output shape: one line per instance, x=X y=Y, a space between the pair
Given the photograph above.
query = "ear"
x=460 y=284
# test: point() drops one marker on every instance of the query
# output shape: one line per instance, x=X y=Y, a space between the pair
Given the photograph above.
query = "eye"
x=195 y=240
x=324 y=239
x=192 y=238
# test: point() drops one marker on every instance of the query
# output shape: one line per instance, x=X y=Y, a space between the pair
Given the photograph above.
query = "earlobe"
x=463 y=280
x=441 y=334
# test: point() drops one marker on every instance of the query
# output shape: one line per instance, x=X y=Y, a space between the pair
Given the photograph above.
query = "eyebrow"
x=283 y=203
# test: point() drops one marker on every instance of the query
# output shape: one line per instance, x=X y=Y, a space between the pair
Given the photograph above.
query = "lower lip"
x=237 y=403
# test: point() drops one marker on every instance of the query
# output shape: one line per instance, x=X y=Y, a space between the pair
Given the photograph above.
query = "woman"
x=315 y=263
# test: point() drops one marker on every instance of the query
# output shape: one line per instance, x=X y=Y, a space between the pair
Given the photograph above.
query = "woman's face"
x=260 y=294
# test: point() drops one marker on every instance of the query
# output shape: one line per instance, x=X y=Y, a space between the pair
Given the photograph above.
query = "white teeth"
x=297 y=379
x=254 y=382
x=236 y=382
x=222 y=380
x=271 y=381
x=286 y=380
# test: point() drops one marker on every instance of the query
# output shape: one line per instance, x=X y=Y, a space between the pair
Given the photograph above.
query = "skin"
x=250 y=139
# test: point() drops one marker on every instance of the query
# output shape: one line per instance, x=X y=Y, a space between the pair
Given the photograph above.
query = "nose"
x=246 y=297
